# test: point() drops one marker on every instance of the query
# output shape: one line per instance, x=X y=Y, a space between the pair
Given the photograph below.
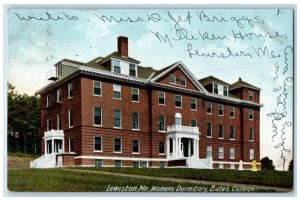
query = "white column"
x=167 y=152
x=190 y=148
x=195 y=147
x=174 y=147
x=63 y=146
x=45 y=147
x=52 y=146
x=179 y=142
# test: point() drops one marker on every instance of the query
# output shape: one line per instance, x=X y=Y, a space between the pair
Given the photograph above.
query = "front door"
x=185 y=143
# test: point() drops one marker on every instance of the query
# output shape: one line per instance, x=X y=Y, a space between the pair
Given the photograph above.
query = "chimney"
x=123 y=46
x=240 y=79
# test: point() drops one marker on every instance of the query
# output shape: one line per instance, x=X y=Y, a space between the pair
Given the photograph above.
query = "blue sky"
x=34 y=46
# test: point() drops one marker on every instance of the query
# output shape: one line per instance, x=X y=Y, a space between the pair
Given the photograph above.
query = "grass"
x=264 y=178
x=19 y=162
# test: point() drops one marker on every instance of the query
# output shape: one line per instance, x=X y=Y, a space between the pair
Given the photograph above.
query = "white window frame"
x=232 y=166
x=222 y=109
x=162 y=154
x=162 y=131
x=100 y=86
x=211 y=132
x=221 y=153
x=115 y=86
x=222 y=131
x=120 y=120
x=221 y=166
x=48 y=100
x=118 y=152
x=209 y=103
x=48 y=123
x=174 y=79
x=225 y=87
x=182 y=78
x=252 y=113
x=138 y=128
x=231 y=107
x=135 y=69
x=113 y=65
x=231 y=153
x=69 y=118
x=251 y=140
x=233 y=132
x=70 y=86
x=70 y=145
x=138 y=147
x=164 y=98
x=251 y=154
x=208 y=150
x=195 y=104
x=175 y=101
x=97 y=125
x=101 y=147
x=57 y=121
x=58 y=94
x=138 y=94
x=215 y=88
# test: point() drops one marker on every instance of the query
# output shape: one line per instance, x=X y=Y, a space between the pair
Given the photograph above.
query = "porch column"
x=52 y=146
x=63 y=146
x=174 y=147
x=190 y=148
x=179 y=142
x=45 y=143
x=167 y=152
x=195 y=147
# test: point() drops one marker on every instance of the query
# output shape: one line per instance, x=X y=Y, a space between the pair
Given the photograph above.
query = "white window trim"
x=175 y=100
x=221 y=115
x=221 y=138
x=117 y=91
x=69 y=84
x=211 y=131
x=100 y=85
x=232 y=152
x=249 y=114
x=100 y=142
x=252 y=134
x=221 y=148
x=135 y=68
x=233 y=112
x=120 y=120
x=136 y=129
x=70 y=145
x=117 y=152
x=226 y=90
x=138 y=90
x=136 y=153
x=69 y=118
x=97 y=125
x=233 y=133
x=170 y=79
x=162 y=131
x=221 y=166
x=182 y=77
x=162 y=154
x=164 y=98
x=251 y=158
x=195 y=104
x=210 y=108
x=57 y=96
x=113 y=65
x=207 y=148
x=214 y=88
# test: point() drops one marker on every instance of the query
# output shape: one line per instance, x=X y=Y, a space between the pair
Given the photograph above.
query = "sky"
x=254 y=44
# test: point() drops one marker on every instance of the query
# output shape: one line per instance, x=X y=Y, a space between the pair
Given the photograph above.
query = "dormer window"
x=225 y=90
x=216 y=91
x=132 y=70
x=172 y=79
x=117 y=66
x=182 y=81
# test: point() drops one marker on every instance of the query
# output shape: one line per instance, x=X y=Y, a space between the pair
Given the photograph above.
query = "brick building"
x=113 y=112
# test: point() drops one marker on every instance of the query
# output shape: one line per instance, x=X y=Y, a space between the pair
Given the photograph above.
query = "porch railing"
x=183 y=129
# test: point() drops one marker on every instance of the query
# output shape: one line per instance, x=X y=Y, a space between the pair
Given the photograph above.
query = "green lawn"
x=264 y=178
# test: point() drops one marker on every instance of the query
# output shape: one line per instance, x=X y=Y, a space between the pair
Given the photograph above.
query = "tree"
x=23 y=122
x=291 y=166
x=267 y=164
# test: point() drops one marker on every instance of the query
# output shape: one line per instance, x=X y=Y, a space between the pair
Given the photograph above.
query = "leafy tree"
x=291 y=165
x=23 y=122
x=267 y=164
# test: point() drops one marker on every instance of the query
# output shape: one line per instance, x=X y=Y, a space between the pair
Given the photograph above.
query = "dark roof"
x=118 y=56
x=240 y=83
x=69 y=60
x=162 y=70
x=145 y=72
x=210 y=79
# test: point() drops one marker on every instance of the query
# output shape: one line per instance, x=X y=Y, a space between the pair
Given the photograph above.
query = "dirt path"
x=178 y=180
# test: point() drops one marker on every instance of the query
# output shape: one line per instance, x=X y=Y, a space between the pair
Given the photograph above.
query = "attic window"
x=216 y=91
x=132 y=71
x=182 y=81
x=117 y=66
x=172 y=79
x=225 y=90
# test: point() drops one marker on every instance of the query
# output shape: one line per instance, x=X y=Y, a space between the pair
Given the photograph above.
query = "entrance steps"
x=45 y=161
x=205 y=163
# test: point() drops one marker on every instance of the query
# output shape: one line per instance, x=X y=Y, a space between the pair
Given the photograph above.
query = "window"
x=193 y=123
x=71 y=145
x=59 y=122
x=209 y=129
x=144 y=164
x=135 y=121
x=135 y=147
x=117 y=119
x=178 y=101
x=118 y=163
x=117 y=66
x=232 y=132
x=232 y=166
x=225 y=90
x=97 y=144
x=161 y=98
x=97 y=116
x=70 y=90
x=208 y=107
x=132 y=71
x=49 y=123
x=193 y=103
x=220 y=110
x=172 y=79
x=98 y=163
x=97 y=88
x=162 y=164
x=171 y=145
x=58 y=96
x=70 y=118
x=231 y=153
x=251 y=157
x=182 y=81
x=117 y=145
x=134 y=94
x=208 y=151
x=231 y=112
x=117 y=91
x=178 y=118
x=221 y=152
x=161 y=147
x=161 y=123
x=251 y=134
x=221 y=166
x=250 y=114
x=135 y=164
x=48 y=101
x=216 y=91
x=250 y=96
x=221 y=131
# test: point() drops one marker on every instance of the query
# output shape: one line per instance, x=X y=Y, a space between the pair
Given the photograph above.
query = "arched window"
x=172 y=79
x=178 y=118
x=182 y=81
